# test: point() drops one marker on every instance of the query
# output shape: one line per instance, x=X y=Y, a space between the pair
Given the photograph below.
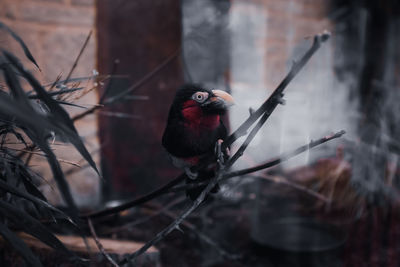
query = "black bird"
x=194 y=126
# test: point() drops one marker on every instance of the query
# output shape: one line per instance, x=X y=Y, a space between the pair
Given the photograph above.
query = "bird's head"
x=194 y=123
x=194 y=101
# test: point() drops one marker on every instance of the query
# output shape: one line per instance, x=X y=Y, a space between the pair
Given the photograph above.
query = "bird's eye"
x=200 y=97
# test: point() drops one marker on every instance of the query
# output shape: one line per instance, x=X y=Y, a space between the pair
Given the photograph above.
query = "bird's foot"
x=227 y=152
x=218 y=152
x=222 y=156
x=191 y=174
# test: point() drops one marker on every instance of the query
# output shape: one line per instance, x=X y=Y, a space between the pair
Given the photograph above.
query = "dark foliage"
x=32 y=119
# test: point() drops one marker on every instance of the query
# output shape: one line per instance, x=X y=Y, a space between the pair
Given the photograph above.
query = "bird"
x=193 y=128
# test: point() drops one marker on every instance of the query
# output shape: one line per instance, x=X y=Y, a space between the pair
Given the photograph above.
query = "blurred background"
x=150 y=48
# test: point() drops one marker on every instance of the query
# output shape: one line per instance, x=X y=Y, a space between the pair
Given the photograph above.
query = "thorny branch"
x=204 y=237
x=175 y=224
x=249 y=138
x=160 y=191
x=142 y=220
x=270 y=163
x=171 y=186
x=265 y=111
x=268 y=106
x=276 y=97
x=100 y=246
x=283 y=180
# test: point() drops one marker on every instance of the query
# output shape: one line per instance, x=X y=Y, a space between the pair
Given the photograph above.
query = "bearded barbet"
x=193 y=128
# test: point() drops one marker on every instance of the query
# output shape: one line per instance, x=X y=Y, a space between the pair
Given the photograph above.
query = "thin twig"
x=145 y=78
x=86 y=112
x=249 y=138
x=55 y=82
x=282 y=180
x=109 y=85
x=205 y=238
x=175 y=224
x=79 y=56
x=145 y=219
x=264 y=111
x=158 y=192
x=69 y=162
x=285 y=156
x=270 y=163
x=171 y=186
x=136 y=85
x=270 y=102
x=59 y=92
x=120 y=115
x=100 y=246
x=87 y=78
x=45 y=156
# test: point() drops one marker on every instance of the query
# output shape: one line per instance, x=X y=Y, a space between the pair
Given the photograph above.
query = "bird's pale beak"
x=222 y=95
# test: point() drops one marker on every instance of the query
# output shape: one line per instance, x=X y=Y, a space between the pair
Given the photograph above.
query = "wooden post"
x=140 y=34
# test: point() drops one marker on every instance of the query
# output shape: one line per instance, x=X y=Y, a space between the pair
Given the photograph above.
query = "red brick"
x=276 y=50
x=277 y=6
x=55 y=15
x=246 y=8
x=2 y=8
x=316 y=10
x=83 y=2
x=51 y=1
x=54 y=32
x=278 y=26
x=307 y=27
x=8 y=9
x=61 y=47
x=275 y=69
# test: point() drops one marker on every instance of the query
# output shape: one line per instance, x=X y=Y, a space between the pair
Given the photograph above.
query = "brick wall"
x=54 y=31
x=275 y=28
x=289 y=22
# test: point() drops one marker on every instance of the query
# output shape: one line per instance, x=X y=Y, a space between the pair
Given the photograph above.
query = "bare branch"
x=175 y=224
x=283 y=180
x=79 y=56
x=270 y=104
x=100 y=246
x=86 y=112
x=136 y=85
x=145 y=78
x=205 y=238
x=285 y=156
x=219 y=177
x=270 y=163
x=249 y=138
x=161 y=210
x=59 y=92
x=110 y=83
x=162 y=190
x=45 y=156
x=169 y=187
